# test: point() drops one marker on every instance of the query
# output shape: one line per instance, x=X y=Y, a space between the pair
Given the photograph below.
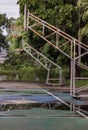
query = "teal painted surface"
x=41 y=119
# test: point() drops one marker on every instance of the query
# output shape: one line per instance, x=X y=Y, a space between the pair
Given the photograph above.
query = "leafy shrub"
x=66 y=72
x=27 y=73
x=41 y=73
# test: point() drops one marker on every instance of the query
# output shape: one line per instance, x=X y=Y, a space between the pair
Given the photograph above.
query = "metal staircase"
x=76 y=49
x=49 y=65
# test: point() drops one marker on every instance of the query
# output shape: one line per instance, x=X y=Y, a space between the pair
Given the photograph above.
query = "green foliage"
x=27 y=73
x=84 y=30
x=83 y=12
x=66 y=72
x=58 y=13
x=49 y=52
x=16 y=42
x=84 y=73
x=46 y=49
x=15 y=36
x=9 y=71
x=64 y=16
x=61 y=13
x=3 y=20
x=3 y=42
x=81 y=83
x=41 y=73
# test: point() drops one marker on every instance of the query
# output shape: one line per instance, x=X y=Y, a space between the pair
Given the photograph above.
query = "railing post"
x=43 y=29
x=72 y=75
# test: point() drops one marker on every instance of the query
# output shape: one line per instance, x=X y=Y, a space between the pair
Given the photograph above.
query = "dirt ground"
x=29 y=85
x=19 y=85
